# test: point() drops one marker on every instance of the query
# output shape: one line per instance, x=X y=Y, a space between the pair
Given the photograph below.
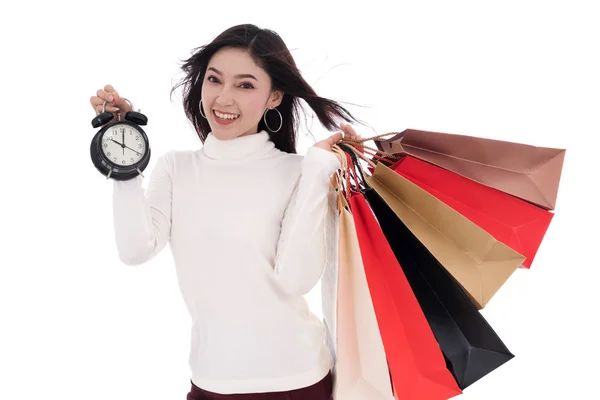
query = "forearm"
x=142 y=219
x=302 y=251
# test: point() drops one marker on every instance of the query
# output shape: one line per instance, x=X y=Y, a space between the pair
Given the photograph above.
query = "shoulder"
x=316 y=162
x=325 y=159
x=181 y=155
x=314 y=157
x=319 y=161
x=286 y=161
x=173 y=160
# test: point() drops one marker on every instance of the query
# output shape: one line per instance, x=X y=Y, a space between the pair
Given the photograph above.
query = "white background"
x=75 y=323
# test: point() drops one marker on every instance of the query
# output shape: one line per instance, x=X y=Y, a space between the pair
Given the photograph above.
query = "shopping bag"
x=361 y=369
x=515 y=222
x=417 y=365
x=480 y=263
x=470 y=345
x=529 y=172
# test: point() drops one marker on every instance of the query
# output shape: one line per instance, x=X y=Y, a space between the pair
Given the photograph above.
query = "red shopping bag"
x=417 y=365
x=512 y=221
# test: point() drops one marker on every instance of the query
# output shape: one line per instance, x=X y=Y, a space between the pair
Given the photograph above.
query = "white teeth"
x=226 y=116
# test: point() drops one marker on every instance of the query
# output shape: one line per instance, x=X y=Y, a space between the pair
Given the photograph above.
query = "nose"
x=224 y=98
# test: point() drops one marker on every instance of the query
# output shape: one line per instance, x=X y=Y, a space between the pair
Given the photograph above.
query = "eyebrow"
x=239 y=76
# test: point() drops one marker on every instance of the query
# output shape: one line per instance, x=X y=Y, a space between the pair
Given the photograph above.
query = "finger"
x=104 y=95
x=351 y=131
x=97 y=101
x=109 y=88
x=116 y=99
x=333 y=139
x=121 y=102
x=98 y=108
x=344 y=128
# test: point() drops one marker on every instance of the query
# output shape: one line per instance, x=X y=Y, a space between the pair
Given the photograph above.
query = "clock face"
x=123 y=145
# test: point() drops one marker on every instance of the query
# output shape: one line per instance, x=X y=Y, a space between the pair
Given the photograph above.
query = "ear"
x=275 y=99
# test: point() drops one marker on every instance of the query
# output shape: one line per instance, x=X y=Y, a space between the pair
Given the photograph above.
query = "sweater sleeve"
x=301 y=249
x=142 y=221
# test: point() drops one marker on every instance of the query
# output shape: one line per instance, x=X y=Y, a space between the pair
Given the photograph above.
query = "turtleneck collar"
x=239 y=148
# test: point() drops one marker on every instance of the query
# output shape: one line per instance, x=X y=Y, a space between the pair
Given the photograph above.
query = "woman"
x=245 y=217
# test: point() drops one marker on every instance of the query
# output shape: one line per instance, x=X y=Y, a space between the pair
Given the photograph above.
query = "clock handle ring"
x=105 y=101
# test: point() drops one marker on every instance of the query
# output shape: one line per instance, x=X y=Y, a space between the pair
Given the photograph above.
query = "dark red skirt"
x=321 y=390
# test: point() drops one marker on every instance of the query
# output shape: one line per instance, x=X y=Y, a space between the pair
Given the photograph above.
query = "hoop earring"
x=280 y=117
x=201 y=110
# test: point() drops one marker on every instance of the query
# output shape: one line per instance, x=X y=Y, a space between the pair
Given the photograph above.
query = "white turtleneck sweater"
x=248 y=230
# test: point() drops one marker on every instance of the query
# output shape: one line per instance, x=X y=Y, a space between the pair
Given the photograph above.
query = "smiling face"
x=235 y=94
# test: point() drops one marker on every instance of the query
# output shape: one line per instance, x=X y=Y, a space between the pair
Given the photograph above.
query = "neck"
x=239 y=148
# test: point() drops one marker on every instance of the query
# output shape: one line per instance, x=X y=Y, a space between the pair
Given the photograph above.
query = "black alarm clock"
x=120 y=150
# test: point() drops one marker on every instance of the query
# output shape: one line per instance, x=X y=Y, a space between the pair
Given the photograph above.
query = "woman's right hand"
x=115 y=103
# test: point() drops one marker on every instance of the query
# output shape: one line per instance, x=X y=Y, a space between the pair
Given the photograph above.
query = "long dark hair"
x=269 y=52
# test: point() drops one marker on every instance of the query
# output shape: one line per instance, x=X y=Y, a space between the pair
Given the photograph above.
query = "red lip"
x=224 y=121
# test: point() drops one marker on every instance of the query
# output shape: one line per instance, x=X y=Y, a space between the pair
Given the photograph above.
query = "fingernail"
x=110 y=98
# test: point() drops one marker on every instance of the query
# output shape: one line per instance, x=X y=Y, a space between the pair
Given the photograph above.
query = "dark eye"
x=247 y=86
x=212 y=77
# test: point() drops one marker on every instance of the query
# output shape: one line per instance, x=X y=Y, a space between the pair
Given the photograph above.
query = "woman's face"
x=235 y=94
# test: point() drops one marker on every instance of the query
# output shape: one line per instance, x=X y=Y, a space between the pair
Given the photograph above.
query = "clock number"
x=139 y=145
x=105 y=145
x=108 y=153
x=123 y=162
x=114 y=158
x=131 y=159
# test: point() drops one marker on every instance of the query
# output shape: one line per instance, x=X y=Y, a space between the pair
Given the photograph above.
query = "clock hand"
x=133 y=150
x=120 y=144
x=123 y=133
x=124 y=146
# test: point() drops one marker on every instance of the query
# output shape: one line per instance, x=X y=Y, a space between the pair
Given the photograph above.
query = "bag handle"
x=348 y=170
x=361 y=155
x=340 y=177
x=360 y=144
x=353 y=154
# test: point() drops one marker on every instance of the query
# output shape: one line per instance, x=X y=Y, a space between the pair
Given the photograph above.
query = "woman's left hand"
x=347 y=132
